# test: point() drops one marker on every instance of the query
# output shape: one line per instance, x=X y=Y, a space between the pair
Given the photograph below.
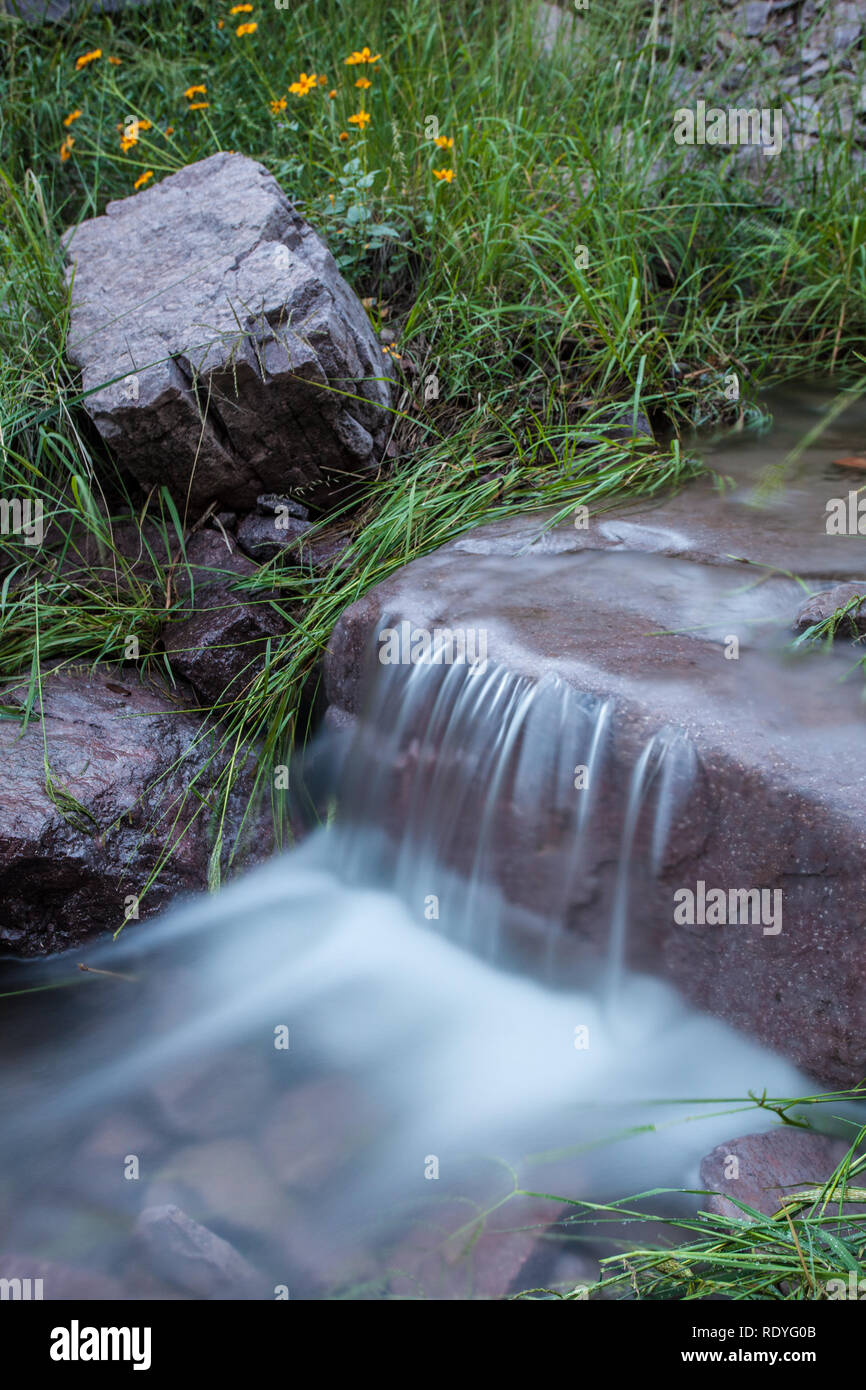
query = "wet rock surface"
x=183 y=1252
x=826 y=602
x=762 y=1170
x=230 y=379
x=122 y=756
x=641 y=608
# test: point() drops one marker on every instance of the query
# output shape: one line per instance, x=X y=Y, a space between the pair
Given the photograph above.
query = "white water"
x=441 y=1050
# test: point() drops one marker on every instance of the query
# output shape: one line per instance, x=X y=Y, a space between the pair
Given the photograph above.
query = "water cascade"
x=294 y=1060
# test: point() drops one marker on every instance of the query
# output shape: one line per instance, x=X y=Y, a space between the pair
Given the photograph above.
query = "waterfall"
x=410 y=1034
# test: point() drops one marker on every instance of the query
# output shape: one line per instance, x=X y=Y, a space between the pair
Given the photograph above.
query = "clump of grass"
x=812 y=1240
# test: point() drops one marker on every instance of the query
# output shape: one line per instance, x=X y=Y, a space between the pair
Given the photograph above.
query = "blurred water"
x=418 y=1063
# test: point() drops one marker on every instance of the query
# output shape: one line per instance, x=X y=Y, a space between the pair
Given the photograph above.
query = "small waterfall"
x=410 y=1041
x=668 y=758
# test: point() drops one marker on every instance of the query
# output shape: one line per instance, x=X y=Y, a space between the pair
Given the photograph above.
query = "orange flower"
x=88 y=58
x=365 y=56
x=444 y=142
x=198 y=106
x=221 y=24
x=66 y=148
x=446 y=174
x=278 y=105
x=115 y=62
x=332 y=93
x=194 y=92
x=127 y=142
x=322 y=80
x=361 y=119
x=305 y=83
x=143 y=179
x=363 y=82
x=73 y=116
x=169 y=130
x=241 y=9
x=245 y=29
x=344 y=134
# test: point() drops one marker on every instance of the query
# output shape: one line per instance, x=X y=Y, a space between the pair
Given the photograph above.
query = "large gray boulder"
x=222 y=354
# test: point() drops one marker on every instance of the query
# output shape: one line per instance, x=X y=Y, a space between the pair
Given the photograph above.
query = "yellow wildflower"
x=364 y=56
x=116 y=62
x=332 y=93
x=66 y=148
x=444 y=142
x=322 y=80
x=88 y=58
x=303 y=85
x=446 y=174
x=194 y=92
x=198 y=106
x=73 y=116
x=241 y=9
x=245 y=29
x=363 y=82
x=127 y=142
x=169 y=130
x=278 y=105
x=361 y=118
x=143 y=178
x=221 y=24
x=344 y=134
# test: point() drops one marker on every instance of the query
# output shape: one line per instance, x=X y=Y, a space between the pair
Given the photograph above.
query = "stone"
x=122 y=755
x=185 y=1253
x=212 y=1097
x=552 y=26
x=821 y=606
x=637 y=609
x=221 y=1183
x=296 y=542
x=221 y=645
x=769 y=1167
x=311 y=1131
x=227 y=357
x=445 y=1256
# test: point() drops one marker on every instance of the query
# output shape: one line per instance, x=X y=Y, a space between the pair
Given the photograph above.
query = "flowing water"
x=350 y=1063
x=332 y=1055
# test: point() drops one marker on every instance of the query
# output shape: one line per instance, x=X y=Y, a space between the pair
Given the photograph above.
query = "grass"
x=691 y=271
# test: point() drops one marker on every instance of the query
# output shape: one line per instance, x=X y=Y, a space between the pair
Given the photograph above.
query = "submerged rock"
x=185 y=1253
x=227 y=357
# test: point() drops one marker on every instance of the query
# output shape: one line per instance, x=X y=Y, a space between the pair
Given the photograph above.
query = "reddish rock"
x=767 y=1167
x=182 y=1252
